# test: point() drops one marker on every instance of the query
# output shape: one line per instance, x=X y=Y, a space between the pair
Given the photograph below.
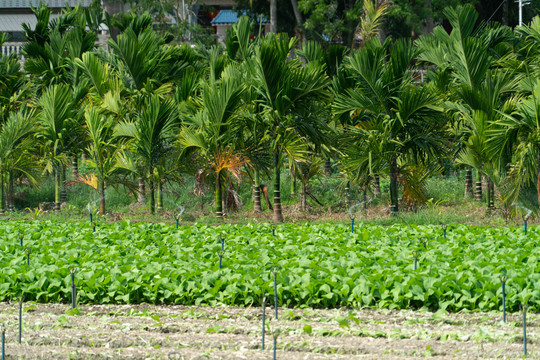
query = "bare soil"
x=198 y=332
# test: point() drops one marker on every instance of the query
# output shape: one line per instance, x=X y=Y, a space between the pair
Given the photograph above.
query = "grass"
x=446 y=204
x=447 y=191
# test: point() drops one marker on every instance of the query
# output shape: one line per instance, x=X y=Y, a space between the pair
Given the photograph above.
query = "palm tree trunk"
x=8 y=191
x=140 y=196
x=505 y=12
x=223 y=200
x=303 y=197
x=538 y=180
x=57 y=190
x=257 y=192
x=468 y=183
x=327 y=167
x=113 y=7
x=377 y=186
x=102 y=208
x=394 y=187
x=364 y=198
x=63 y=193
x=278 y=214
x=219 y=197
x=491 y=194
x=488 y=188
x=429 y=23
x=273 y=16
x=11 y=206
x=478 y=192
x=75 y=166
x=152 y=197
x=2 y=194
x=160 y=195
x=299 y=21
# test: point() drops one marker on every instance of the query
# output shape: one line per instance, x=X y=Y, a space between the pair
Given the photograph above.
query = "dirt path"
x=179 y=332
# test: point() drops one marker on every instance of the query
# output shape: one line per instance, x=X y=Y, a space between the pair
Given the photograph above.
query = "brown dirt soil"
x=221 y=332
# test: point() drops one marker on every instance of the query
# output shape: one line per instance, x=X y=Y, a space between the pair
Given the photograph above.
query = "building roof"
x=26 y=4
x=225 y=17
x=13 y=22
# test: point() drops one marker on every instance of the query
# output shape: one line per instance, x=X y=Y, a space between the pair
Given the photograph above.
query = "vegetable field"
x=317 y=266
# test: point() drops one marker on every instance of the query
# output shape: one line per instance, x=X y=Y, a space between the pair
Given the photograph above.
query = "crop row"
x=323 y=265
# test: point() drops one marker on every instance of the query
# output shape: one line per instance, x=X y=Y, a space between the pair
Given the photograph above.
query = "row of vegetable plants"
x=315 y=265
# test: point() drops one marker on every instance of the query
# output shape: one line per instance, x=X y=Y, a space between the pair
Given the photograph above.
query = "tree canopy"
x=147 y=111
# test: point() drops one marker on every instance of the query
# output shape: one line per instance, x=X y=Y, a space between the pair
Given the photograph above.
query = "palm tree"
x=52 y=47
x=13 y=83
x=464 y=59
x=372 y=21
x=240 y=50
x=213 y=132
x=101 y=150
x=331 y=58
x=516 y=133
x=480 y=107
x=143 y=59
x=150 y=137
x=305 y=171
x=148 y=66
x=396 y=124
x=519 y=134
x=17 y=150
x=51 y=51
x=105 y=108
x=288 y=94
x=57 y=122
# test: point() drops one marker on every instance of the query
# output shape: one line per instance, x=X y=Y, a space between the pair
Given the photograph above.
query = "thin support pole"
x=275 y=334
x=3 y=342
x=525 y=329
x=504 y=302
x=503 y=278
x=21 y=300
x=73 y=288
x=275 y=292
x=263 y=320
x=27 y=251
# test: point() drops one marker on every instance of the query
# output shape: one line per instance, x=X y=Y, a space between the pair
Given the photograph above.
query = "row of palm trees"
x=148 y=110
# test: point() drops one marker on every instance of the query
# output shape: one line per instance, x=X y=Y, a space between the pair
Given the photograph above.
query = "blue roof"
x=228 y=17
x=225 y=17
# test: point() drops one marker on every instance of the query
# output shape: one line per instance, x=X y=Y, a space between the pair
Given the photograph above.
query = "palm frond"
x=372 y=20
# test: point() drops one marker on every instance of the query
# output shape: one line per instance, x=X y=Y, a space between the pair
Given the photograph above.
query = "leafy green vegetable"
x=319 y=265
